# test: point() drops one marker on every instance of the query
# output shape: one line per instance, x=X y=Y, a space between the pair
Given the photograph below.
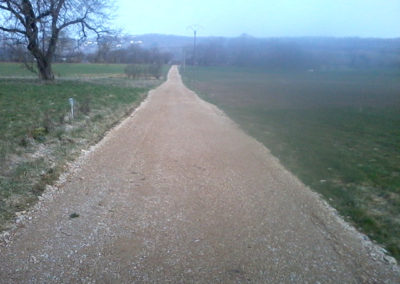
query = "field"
x=339 y=132
x=37 y=133
x=61 y=70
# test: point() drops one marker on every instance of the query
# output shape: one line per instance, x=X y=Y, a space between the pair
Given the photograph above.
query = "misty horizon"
x=261 y=37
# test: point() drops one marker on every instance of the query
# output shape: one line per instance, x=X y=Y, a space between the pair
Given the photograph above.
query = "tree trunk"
x=45 y=69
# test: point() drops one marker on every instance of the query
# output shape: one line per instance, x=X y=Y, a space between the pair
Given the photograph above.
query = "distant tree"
x=65 y=47
x=38 y=24
x=103 y=50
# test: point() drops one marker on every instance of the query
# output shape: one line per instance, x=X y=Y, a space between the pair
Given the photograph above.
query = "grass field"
x=37 y=134
x=339 y=132
x=62 y=70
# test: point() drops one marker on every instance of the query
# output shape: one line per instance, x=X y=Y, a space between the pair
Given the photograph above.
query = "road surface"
x=177 y=193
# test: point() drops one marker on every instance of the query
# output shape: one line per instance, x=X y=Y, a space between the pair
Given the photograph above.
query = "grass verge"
x=38 y=135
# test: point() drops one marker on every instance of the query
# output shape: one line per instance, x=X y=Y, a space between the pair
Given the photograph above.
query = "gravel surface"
x=177 y=193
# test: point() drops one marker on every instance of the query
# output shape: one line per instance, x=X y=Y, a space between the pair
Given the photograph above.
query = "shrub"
x=155 y=70
x=135 y=71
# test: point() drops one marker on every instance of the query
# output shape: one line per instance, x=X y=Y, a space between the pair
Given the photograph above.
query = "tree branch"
x=74 y=22
x=43 y=15
x=15 y=13
x=12 y=30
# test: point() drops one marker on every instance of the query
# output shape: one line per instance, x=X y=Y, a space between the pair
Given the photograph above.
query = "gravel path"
x=178 y=193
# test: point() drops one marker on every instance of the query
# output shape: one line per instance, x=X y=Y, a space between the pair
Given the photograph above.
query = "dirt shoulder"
x=178 y=193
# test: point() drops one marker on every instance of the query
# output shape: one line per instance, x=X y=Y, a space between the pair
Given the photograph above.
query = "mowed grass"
x=78 y=69
x=38 y=136
x=64 y=70
x=339 y=132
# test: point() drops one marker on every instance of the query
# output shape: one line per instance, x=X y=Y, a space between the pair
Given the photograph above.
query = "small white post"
x=71 y=103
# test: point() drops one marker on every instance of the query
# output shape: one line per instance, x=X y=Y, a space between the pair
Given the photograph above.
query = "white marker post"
x=71 y=103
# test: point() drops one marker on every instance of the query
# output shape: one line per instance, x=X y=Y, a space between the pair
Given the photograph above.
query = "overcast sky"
x=262 y=18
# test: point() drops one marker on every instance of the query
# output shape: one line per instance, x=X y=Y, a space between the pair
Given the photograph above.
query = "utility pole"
x=194 y=28
x=194 y=47
x=184 y=60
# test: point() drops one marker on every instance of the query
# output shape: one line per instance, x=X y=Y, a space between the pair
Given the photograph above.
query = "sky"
x=261 y=18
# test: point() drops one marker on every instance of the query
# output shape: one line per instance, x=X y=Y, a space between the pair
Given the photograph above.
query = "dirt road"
x=177 y=193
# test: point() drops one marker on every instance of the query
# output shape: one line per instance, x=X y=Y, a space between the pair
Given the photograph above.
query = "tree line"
x=105 y=51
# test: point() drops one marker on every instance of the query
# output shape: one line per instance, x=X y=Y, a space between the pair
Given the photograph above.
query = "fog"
x=262 y=18
x=310 y=53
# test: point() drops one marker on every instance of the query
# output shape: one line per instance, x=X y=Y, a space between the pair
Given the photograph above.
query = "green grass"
x=37 y=136
x=13 y=70
x=64 y=70
x=78 y=69
x=339 y=132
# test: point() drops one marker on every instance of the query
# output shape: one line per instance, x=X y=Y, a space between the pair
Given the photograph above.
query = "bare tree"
x=37 y=24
